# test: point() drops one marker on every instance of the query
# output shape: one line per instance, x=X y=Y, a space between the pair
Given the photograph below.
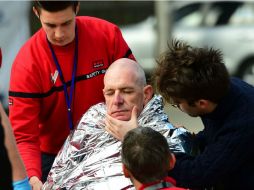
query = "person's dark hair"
x=54 y=6
x=146 y=154
x=191 y=73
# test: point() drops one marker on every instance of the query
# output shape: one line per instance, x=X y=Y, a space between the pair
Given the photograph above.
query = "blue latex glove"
x=22 y=184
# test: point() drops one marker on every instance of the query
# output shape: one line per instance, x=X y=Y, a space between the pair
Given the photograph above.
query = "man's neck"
x=136 y=183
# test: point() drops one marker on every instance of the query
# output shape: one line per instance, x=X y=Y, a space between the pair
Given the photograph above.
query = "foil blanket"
x=90 y=157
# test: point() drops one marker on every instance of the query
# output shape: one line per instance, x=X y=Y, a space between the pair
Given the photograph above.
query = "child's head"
x=146 y=155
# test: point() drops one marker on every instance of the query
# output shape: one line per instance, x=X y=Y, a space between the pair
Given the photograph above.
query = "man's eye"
x=51 y=25
x=66 y=23
x=109 y=93
x=128 y=91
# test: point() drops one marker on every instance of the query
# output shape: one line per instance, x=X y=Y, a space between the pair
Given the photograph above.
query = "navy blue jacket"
x=227 y=141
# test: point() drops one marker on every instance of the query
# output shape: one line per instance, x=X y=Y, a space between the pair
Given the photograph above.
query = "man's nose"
x=118 y=99
x=59 y=33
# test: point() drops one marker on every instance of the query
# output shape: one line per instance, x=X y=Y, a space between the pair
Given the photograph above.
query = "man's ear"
x=172 y=161
x=126 y=171
x=77 y=8
x=202 y=103
x=148 y=93
x=205 y=105
x=36 y=12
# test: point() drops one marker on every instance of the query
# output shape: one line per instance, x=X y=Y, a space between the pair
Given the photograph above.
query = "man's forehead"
x=115 y=86
x=120 y=79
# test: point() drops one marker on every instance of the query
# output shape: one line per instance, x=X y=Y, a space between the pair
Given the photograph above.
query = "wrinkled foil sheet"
x=90 y=157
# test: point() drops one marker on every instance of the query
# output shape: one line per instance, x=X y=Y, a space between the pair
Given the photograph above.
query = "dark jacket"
x=226 y=160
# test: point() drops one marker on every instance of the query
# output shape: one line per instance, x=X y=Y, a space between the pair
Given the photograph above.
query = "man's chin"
x=60 y=43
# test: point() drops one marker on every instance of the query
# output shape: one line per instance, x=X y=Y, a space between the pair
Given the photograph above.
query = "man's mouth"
x=59 y=41
x=119 y=112
x=123 y=115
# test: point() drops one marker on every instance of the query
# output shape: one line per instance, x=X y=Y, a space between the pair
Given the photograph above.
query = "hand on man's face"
x=118 y=128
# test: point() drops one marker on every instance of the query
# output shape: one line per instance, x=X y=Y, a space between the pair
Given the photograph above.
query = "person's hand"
x=118 y=128
x=35 y=183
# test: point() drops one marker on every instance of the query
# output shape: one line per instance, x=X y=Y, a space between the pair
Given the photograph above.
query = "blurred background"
x=148 y=26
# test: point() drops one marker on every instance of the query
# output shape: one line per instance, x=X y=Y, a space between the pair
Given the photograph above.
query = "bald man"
x=126 y=93
x=90 y=158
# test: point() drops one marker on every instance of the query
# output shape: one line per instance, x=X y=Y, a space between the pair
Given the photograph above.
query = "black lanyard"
x=68 y=98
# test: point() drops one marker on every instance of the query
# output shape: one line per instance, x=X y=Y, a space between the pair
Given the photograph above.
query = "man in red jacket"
x=56 y=76
x=147 y=159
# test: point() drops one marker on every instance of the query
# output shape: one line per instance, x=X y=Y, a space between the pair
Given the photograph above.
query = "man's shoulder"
x=240 y=85
x=93 y=22
x=33 y=44
x=243 y=93
x=31 y=51
x=98 y=110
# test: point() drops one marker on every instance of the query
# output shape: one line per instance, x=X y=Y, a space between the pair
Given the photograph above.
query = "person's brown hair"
x=191 y=73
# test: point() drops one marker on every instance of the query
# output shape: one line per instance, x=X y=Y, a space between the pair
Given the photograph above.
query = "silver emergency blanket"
x=90 y=157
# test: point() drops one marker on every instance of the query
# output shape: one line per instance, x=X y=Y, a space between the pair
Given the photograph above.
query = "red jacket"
x=38 y=110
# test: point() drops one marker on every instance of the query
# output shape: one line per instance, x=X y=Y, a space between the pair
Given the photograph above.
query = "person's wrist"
x=34 y=179
x=35 y=182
